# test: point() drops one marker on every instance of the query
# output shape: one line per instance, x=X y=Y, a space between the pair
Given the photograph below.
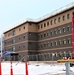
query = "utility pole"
x=1 y=45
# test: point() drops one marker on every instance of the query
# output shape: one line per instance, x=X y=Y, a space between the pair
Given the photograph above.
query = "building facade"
x=49 y=36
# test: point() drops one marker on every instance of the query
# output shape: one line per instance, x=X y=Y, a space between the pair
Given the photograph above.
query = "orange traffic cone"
x=26 y=64
x=0 y=69
x=11 y=70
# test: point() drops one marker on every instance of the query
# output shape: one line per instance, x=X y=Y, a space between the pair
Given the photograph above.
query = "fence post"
x=11 y=70
x=37 y=59
x=67 y=68
x=26 y=64
x=52 y=57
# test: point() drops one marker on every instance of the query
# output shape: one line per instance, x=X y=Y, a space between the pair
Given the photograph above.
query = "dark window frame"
x=59 y=19
x=44 y=24
x=63 y=18
x=68 y=16
x=51 y=22
x=55 y=21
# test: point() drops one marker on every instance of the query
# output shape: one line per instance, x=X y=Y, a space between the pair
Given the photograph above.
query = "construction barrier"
x=11 y=69
x=0 y=69
x=26 y=65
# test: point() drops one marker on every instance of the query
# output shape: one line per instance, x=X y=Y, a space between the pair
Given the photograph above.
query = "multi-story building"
x=51 y=35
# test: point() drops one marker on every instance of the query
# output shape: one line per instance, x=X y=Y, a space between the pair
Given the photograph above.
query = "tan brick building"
x=52 y=34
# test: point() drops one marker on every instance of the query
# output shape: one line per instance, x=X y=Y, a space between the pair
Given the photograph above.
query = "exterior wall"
x=49 y=26
x=51 y=35
x=58 y=31
x=17 y=31
x=23 y=36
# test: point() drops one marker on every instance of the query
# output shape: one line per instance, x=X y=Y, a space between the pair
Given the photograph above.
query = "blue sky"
x=14 y=11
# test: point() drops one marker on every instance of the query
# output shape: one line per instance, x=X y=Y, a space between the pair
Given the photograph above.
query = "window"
x=51 y=22
x=56 y=54
x=30 y=34
x=69 y=41
x=41 y=26
x=50 y=55
x=63 y=18
x=55 y=32
x=47 y=23
x=44 y=45
x=59 y=31
x=24 y=36
x=64 y=54
x=41 y=45
x=68 y=28
x=41 y=35
x=48 y=44
x=51 y=33
x=13 y=48
x=55 y=21
x=13 y=32
x=59 y=19
x=38 y=35
x=24 y=27
x=68 y=16
x=64 y=41
x=70 y=54
x=19 y=38
x=24 y=45
x=19 y=29
x=55 y=43
x=63 y=29
x=44 y=24
x=44 y=35
x=13 y=40
x=60 y=54
x=59 y=42
x=51 y=43
x=47 y=55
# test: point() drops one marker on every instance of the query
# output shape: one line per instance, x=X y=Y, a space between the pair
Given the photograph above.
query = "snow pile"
x=42 y=69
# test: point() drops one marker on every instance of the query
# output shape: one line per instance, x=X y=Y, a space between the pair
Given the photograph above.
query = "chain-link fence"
x=41 y=57
x=48 y=56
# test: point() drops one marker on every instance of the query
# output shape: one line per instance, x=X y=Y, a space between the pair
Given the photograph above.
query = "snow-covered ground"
x=41 y=69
